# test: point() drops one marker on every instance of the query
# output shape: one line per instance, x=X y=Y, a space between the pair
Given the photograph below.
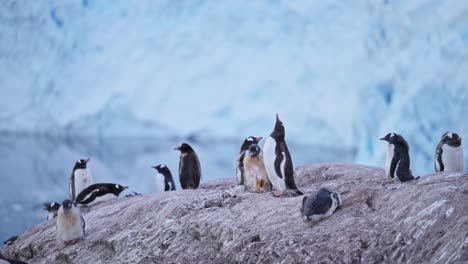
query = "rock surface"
x=425 y=221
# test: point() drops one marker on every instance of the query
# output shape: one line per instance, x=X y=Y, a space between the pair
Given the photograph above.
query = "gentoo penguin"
x=80 y=178
x=10 y=241
x=255 y=176
x=52 y=208
x=319 y=205
x=164 y=180
x=70 y=223
x=278 y=162
x=240 y=159
x=398 y=159
x=4 y=260
x=189 y=167
x=449 y=154
x=99 y=192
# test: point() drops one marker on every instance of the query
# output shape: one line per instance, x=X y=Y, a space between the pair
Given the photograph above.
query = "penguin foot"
x=277 y=194
x=285 y=194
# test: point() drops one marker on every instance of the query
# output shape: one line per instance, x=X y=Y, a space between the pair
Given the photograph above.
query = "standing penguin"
x=320 y=205
x=449 y=154
x=240 y=159
x=52 y=208
x=70 y=223
x=80 y=178
x=164 y=180
x=255 y=176
x=189 y=167
x=398 y=159
x=99 y=192
x=278 y=162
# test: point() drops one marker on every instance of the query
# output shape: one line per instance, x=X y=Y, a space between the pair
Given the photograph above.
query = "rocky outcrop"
x=424 y=221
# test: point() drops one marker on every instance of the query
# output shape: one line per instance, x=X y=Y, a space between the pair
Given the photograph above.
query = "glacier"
x=341 y=74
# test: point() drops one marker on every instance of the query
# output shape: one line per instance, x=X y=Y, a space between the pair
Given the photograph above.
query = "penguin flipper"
x=394 y=164
x=240 y=166
x=83 y=224
x=438 y=160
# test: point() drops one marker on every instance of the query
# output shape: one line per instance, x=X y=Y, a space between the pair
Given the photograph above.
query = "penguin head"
x=451 y=139
x=117 y=189
x=249 y=141
x=67 y=205
x=336 y=197
x=395 y=139
x=81 y=164
x=184 y=148
x=51 y=207
x=254 y=150
x=163 y=169
x=278 y=131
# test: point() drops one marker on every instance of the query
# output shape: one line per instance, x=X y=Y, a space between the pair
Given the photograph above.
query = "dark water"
x=35 y=169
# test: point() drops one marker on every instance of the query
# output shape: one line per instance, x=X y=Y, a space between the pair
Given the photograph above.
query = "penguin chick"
x=52 y=209
x=398 y=160
x=240 y=159
x=70 y=223
x=99 y=192
x=189 y=167
x=80 y=178
x=164 y=180
x=449 y=154
x=10 y=241
x=255 y=176
x=319 y=205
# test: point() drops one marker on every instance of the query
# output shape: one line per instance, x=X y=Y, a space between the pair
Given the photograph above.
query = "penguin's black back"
x=93 y=191
x=168 y=179
x=189 y=170
x=317 y=203
x=401 y=161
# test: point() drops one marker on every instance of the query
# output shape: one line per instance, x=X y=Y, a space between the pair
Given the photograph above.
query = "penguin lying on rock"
x=319 y=205
x=99 y=192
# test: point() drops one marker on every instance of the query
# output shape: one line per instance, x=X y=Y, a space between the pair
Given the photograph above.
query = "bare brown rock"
x=424 y=221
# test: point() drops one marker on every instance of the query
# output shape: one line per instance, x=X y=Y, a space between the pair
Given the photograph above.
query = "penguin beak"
x=277 y=118
x=382 y=139
x=125 y=187
x=259 y=139
x=154 y=167
x=45 y=209
x=177 y=148
x=87 y=160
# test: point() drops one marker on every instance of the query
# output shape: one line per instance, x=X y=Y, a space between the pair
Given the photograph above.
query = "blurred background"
x=124 y=82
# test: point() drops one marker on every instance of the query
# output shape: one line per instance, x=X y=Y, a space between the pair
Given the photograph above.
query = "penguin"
x=10 y=241
x=240 y=159
x=133 y=194
x=52 y=208
x=278 y=162
x=189 y=167
x=70 y=224
x=99 y=192
x=255 y=176
x=319 y=205
x=164 y=180
x=398 y=159
x=449 y=154
x=4 y=260
x=80 y=178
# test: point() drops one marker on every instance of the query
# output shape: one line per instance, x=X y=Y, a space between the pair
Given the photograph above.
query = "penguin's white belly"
x=51 y=215
x=69 y=226
x=104 y=198
x=453 y=158
x=388 y=160
x=160 y=185
x=269 y=157
x=83 y=179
